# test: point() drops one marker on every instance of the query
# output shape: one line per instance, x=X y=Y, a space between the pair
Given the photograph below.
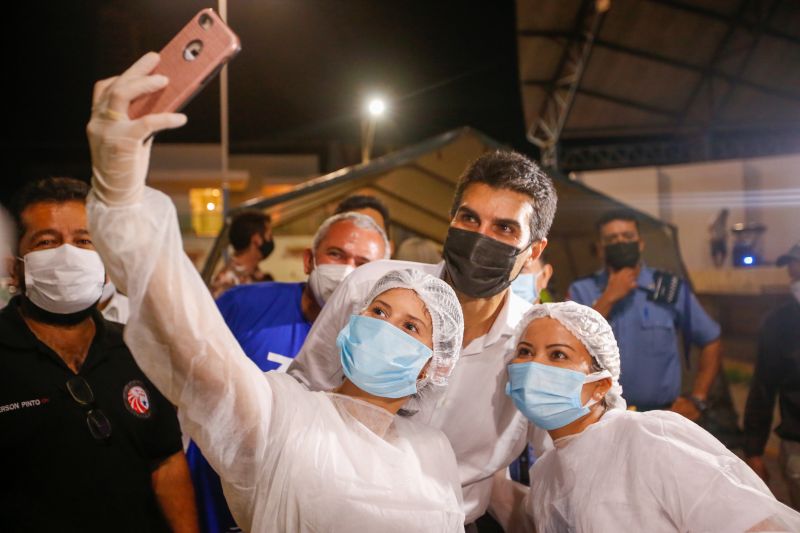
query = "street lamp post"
x=376 y=107
x=224 y=127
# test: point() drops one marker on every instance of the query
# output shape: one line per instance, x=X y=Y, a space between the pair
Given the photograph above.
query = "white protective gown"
x=290 y=459
x=486 y=430
x=654 y=472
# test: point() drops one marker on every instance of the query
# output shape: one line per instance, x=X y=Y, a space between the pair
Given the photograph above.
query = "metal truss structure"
x=545 y=131
x=687 y=135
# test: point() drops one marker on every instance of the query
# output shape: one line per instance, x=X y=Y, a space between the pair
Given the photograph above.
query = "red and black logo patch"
x=137 y=399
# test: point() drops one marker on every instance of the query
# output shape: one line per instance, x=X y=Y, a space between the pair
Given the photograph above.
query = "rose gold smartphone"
x=190 y=60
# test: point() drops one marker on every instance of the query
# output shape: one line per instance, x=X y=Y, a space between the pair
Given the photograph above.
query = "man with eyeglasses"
x=646 y=323
x=87 y=443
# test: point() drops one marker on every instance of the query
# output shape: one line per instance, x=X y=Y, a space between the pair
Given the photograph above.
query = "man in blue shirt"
x=645 y=326
x=271 y=320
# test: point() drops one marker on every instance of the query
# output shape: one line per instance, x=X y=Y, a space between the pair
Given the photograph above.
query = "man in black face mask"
x=82 y=428
x=503 y=208
x=646 y=326
x=251 y=238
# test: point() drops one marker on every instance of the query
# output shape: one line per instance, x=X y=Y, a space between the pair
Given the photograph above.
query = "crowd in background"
x=452 y=399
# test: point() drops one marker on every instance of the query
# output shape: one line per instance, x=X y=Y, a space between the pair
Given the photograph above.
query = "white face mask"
x=795 y=288
x=324 y=279
x=64 y=280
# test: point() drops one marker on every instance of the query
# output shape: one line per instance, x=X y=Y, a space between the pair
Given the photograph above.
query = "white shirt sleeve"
x=178 y=337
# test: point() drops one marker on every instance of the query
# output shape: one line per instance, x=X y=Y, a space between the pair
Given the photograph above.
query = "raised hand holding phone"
x=190 y=60
x=120 y=146
x=128 y=109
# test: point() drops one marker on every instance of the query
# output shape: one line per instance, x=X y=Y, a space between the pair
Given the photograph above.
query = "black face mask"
x=478 y=266
x=622 y=254
x=35 y=312
x=266 y=248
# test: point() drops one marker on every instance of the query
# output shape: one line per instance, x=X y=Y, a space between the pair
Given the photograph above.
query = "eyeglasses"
x=98 y=422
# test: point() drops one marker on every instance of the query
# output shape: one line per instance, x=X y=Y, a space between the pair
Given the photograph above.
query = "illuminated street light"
x=376 y=108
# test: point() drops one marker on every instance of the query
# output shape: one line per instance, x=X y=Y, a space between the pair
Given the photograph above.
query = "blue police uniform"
x=646 y=334
x=267 y=320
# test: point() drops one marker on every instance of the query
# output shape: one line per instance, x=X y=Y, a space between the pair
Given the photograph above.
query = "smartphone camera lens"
x=205 y=21
x=193 y=50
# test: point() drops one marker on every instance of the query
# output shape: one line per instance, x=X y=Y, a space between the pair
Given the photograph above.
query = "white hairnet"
x=446 y=317
x=592 y=330
x=360 y=220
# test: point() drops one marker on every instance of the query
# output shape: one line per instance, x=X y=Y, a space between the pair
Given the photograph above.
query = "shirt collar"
x=505 y=325
x=645 y=278
x=15 y=334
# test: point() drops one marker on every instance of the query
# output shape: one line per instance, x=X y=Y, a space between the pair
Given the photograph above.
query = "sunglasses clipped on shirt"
x=98 y=422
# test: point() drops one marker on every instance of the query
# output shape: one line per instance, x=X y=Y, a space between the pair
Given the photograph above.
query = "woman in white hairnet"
x=615 y=470
x=289 y=459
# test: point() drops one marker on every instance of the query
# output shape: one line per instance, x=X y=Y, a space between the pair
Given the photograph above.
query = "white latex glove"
x=120 y=147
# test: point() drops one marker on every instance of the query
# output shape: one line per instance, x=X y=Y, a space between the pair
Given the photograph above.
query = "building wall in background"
x=176 y=168
x=763 y=190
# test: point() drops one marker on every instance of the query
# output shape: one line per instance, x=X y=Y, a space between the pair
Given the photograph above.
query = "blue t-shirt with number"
x=267 y=320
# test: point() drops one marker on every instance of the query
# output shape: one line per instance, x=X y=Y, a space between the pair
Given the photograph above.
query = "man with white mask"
x=83 y=429
x=270 y=320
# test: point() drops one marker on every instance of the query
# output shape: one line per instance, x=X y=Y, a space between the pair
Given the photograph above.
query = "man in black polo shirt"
x=777 y=375
x=87 y=443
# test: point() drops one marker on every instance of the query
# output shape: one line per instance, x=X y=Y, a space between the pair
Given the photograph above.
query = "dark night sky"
x=298 y=83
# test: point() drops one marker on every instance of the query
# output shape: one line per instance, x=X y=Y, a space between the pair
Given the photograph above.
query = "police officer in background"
x=646 y=321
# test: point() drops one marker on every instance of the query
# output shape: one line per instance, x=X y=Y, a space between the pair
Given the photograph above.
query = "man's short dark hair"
x=511 y=170
x=46 y=190
x=246 y=224
x=627 y=215
x=364 y=201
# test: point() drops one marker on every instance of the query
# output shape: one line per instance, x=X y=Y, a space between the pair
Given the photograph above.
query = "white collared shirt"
x=484 y=427
x=118 y=309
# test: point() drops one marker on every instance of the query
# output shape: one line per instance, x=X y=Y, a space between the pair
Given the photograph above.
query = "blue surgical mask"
x=380 y=358
x=549 y=396
x=525 y=286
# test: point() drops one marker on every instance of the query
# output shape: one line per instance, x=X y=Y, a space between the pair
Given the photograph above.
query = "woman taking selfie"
x=289 y=459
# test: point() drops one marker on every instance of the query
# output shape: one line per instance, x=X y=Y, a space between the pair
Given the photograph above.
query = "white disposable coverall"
x=654 y=471
x=289 y=459
x=486 y=430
